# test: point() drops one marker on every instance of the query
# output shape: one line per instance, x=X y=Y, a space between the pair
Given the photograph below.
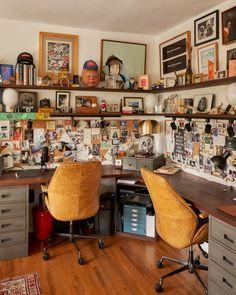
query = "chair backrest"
x=73 y=192
x=176 y=222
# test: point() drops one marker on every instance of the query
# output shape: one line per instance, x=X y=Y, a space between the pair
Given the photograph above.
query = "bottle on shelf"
x=189 y=74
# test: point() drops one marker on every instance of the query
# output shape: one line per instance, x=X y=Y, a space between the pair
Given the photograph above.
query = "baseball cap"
x=90 y=65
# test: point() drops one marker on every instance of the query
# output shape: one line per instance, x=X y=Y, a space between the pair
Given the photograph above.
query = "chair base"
x=191 y=265
x=72 y=238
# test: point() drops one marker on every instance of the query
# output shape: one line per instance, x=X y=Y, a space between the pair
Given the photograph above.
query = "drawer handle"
x=5 y=240
x=6 y=196
x=227 y=260
x=227 y=283
x=228 y=239
x=6 y=225
x=134 y=215
x=6 y=210
x=134 y=210
x=134 y=229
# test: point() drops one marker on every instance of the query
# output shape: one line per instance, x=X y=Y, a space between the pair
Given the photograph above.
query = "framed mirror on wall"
x=128 y=59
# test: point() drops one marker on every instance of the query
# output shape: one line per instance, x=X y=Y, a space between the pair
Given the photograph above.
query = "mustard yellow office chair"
x=73 y=194
x=176 y=223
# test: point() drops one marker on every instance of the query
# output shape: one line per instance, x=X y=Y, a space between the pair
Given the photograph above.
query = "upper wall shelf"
x=210 y=83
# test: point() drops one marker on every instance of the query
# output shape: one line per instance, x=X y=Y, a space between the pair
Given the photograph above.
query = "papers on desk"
x=127 y=180
x=167 y=169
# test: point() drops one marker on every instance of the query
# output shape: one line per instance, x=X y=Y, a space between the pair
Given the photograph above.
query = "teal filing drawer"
x=135 y=219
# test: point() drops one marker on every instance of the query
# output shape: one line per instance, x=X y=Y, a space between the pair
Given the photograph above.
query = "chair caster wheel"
x=46 y=256
x=101 y=244
x=158 y=288
x=81 y=261
x=159 y=264
x=197 y=260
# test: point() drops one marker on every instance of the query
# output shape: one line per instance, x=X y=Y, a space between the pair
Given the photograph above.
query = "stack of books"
x=25 y=74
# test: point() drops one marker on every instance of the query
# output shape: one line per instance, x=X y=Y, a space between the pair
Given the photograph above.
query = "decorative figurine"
x=90 y=76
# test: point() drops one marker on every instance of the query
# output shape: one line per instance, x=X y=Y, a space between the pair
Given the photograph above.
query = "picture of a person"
x=227 y=31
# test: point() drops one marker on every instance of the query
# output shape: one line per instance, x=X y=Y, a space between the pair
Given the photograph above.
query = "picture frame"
x=174 y=54
x=62 y=100
x=206 y=28
x=203 y=103
x=143 y=82
x=86 y=104
x=205 y=53
x=113 y=108
x=132 y=55
x=229 y=25
x=221 y=74
x=27 y=101
x=51 y=60
x=134 y=102
x=231 y=54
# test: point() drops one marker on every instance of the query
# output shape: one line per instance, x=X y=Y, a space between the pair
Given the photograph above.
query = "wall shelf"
x=118 y=114
x=200 y=116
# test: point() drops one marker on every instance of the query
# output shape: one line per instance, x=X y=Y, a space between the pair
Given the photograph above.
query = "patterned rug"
x=23 y=285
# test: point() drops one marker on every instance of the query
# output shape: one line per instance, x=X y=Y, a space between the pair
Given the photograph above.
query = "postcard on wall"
x=39 y=135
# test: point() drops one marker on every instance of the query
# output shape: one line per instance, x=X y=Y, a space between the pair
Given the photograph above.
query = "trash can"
x=43 y=223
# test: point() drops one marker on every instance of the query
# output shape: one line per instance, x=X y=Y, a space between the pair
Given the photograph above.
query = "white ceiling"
x=132 y=16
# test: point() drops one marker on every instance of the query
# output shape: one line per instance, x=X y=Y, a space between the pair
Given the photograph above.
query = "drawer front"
x=223 y=233
x=134 y=211
x=213 y=289
x=145 y=164
x=223 y=257
x=10 y=224
x=12 y=209
x=222 y=278
x=137 y=220
x=12 y=194
x=12 y=238
x=128 y=228
x=129 y=164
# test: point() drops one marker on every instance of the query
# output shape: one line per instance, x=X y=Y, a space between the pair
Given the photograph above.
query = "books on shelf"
x=25 y=74
x=127 y=180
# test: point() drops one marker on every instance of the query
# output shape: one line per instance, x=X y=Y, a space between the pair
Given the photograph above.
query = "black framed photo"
x=229 y=25
x=27 y=102
x=206 y=28
x=62 y=100
x=203 y=103
x=174 y=54
x=134 y=102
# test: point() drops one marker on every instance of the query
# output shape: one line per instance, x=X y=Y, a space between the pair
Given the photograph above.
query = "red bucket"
x=43 y=223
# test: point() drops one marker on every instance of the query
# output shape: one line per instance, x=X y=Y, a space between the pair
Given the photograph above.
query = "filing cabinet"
x=13 y=222
x=135 y=219
x=222 y=258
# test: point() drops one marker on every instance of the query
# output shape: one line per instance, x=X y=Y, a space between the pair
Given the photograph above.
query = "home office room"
x=117 y=147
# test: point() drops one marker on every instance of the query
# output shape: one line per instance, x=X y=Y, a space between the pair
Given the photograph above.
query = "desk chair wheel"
x=101 y=244
x=159 y=264
x=46 y=256
x=158 y=288
x=197 y=260
x=81 y=261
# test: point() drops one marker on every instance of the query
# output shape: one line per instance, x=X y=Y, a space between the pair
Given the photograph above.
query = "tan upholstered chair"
x=73 y=194
x=176 y=223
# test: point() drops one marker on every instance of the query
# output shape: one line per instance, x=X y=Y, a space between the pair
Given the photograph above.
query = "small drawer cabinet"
x=13 y=222
x=222 y=258
x=135 y=219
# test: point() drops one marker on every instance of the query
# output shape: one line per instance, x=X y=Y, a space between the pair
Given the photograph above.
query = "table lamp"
x=220 y=161
x=9 y=99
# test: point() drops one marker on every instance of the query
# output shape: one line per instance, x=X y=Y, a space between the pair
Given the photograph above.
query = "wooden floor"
x=124 y=266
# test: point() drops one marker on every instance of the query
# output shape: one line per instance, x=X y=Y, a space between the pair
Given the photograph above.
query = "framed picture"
x=174 y=54
x=131 y=55
x=146 y=143
x=58 y=53
x=86 y=104
x=113 y=108
x=134 y=102
x=62 y=100
x=221 y=74
x=27 y=102
x=231 y=54
x=206 y=28
x=207 y=53
x=229 y=26
x=203 y=103
x=143 y=82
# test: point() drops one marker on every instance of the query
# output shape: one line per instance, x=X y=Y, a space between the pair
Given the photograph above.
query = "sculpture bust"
x=90 y=76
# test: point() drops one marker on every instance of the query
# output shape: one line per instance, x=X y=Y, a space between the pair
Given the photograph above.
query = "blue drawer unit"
x=135 y=219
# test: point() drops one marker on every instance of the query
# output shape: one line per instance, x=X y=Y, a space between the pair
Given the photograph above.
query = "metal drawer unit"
x=135 y=219
x=13 y=222
x=222 y=258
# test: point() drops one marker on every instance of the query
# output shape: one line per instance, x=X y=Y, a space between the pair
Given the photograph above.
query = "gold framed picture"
x=113 y=108
x=86 y=104
x=58 y=53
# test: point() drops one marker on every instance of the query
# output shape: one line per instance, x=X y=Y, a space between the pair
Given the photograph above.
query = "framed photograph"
x=229 y=26
x=207 y=53
x=27 y=102
x=231 y=54
x=143 y=82
x=62 y=100
x=113 y=108
x=86 y=104
x=131 y=55
x=146 y=143
x=58 y=53
x=221 y=74
x=203 y=103
x=206 y=28
x=134 y=102
x=174 y=54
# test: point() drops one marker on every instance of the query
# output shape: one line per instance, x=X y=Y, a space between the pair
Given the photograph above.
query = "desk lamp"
x=220 y=161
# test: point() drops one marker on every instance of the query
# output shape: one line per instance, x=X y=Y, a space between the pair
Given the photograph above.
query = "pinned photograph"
x=203 y=103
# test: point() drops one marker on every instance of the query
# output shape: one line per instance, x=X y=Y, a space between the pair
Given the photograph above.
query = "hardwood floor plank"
x=125 y=266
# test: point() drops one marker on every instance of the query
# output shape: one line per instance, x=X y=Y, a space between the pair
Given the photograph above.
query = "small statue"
x=90 y=76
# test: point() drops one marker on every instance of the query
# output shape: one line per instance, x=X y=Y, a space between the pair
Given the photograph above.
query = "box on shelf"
x=151 y=163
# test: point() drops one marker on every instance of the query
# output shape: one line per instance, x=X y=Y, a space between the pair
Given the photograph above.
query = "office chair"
x=73 y=194
x=176 y=223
